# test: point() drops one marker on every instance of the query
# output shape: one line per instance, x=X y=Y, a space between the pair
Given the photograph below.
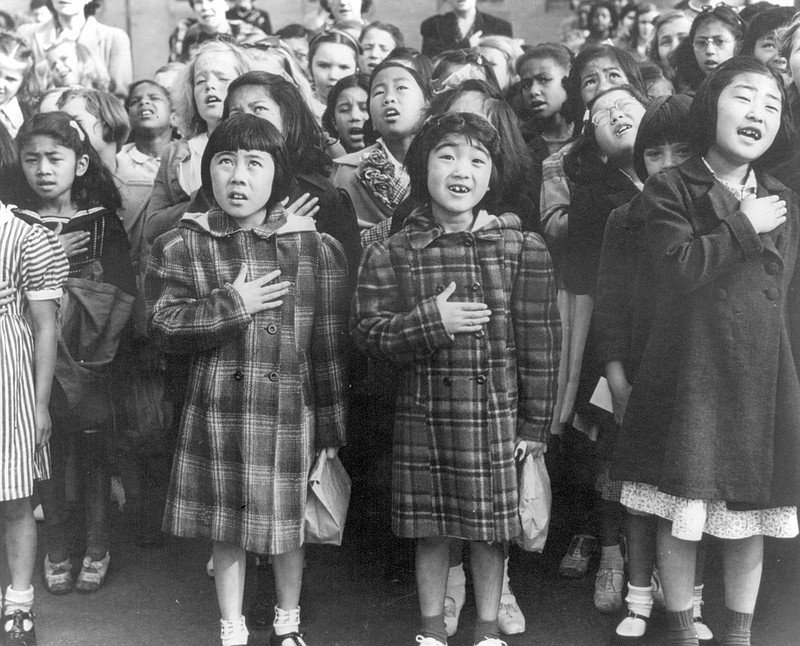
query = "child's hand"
x=258 y=295
x=461 y=317
x=43 y=425
x=764 y=213
x=74 y=243
x=6 y=295
x=305 y=206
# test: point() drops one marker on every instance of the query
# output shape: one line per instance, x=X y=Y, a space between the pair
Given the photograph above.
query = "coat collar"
x=422 y=229
x=219 y=225
x=355 y=159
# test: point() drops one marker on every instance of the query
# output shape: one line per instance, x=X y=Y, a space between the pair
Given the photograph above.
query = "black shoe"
x=17 y=634
x=278 y=640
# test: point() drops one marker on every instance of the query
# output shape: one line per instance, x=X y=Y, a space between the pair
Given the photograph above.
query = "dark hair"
x=366 y=5
x=472 y=126
x=751 y=10
x=413 y=58
x=292 y=31
x=561 y=54
x=370 y=134
x=106 y=108
x=248 y=132
x=305 y=141
x=89 y=9
x=136 y=84
x=462 y=57
x=392 y=30
x=96 y=187
x=665 y=121
x=573 y=108
x=612 y=10
x=328 y=117
x=683 y=59
x=703 y=113
x=764 y=22
x=336 y=37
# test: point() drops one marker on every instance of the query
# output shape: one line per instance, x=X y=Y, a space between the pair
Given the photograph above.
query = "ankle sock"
x=286 y=621
x=640 y=602
x=506 y=583
x=233 y=633
x=680 y=628
x=697 y=600
x=433 y=627
x=18 y=600
x=611 y=558
x=737 y=628
x=485 y=629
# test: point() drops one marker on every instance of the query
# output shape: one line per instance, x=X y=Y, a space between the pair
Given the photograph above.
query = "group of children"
x=513 y=232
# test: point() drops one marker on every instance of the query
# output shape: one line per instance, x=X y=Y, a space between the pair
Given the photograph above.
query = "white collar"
x=13 y=113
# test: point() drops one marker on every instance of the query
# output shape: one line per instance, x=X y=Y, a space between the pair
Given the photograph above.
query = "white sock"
x=18 y=600
x=286 y=621
x=456 y=584
x=233 y=633
x=611 y=558
x=506 y=584
x=697 y=600
x=640 y=602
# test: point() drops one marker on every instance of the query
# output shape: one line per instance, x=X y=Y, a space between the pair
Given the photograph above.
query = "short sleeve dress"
x=33 y=262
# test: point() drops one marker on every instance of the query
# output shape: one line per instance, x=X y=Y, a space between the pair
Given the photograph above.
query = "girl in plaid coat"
x=256 y=297
x=464 y=304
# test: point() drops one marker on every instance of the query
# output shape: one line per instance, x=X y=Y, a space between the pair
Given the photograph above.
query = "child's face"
x=766 y=50
x=76 y=108
x=397 y=104
x=375 y=46
x=148 y=109
x=63 y=59
x=499 y=64
x=542 y=90
x=601 y=22
x=255 y=100
x=299 y=49
x=349 y=116
x=332 y=61
x=670 y=35
x=665 y=156
x=241 y=181
x=51 y=168
x=210 y=13
x=748 y=118
x=616 y=118
x=459 y=171
x=644 y=24
x=713 y=45
x=12 y=73
x=213 y=72
x=601 y=74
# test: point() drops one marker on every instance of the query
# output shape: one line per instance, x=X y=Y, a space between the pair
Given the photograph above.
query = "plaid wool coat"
x=462 y=400
x=264 y=390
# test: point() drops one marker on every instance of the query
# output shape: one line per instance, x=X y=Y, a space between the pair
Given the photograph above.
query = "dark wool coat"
x=264 y=390
x=715 y=409
x=462 y=400
x=440 y=33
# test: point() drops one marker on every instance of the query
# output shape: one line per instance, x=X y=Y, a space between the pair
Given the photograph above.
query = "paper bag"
x=534 y=504
x=327 y=502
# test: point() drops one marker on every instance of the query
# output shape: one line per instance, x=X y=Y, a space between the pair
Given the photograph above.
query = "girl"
x=375 y=178
x=377 y=40
x=198 y=94
x=716 y=35
x=502 y=53
x=331 y=56
x=718 y=453
x=70 y=191
x=347 y=112
x=622 y=318
x=267 y=386
x=72 y=64
x=762 y=37
x=669 y=31
x=34 y=267
x=456 y=66
x=437 y=314
x=641 y=33
x=16 y=65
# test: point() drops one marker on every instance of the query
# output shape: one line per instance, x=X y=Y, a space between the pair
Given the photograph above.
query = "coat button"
x=475 y=287
x=272 y=329
x=273 y=376
x=238 y=375
x=772 y=268
x=447 y=381
x=481 y=379
x=439 y=289
x=773 y=293
x=469 y=242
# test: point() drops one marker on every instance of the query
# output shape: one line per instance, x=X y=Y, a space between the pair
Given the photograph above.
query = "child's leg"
x=456 y=592
x=676 y=564
x=432 y=565
x=742 y=561
x=487 y=561
x=704 y=633
x=230 y=563
x=288 y=570
x=20 y=540
x=97 y=491
x=641 y=559
x=611 y=574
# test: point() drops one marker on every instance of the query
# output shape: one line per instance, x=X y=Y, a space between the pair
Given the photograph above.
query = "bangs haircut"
x=337 y=37
x=435 y=130
x=329 y=116
x=248 y=132
x=703 y=113
x=413 y=58
x=764 y=23
x=305 y=141
x=665 y=121
x=370 y=134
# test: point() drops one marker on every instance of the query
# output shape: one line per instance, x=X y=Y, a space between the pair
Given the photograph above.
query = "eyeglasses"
x=603 y=116
x=700 y=43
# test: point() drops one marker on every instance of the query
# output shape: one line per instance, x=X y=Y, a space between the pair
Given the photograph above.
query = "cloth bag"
x=327 y=501
x=535 y=498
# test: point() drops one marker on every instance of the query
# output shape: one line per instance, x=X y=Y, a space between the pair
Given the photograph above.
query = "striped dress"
x=32 y=261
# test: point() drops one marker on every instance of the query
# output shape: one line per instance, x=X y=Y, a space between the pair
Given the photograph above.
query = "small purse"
x=327 y=502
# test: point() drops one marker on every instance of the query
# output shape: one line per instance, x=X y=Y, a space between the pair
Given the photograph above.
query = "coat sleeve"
x=164 y=210
x=328 y=345
x=685 y=257
x=380 y=322
x=537 y=331
x=180 y=318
